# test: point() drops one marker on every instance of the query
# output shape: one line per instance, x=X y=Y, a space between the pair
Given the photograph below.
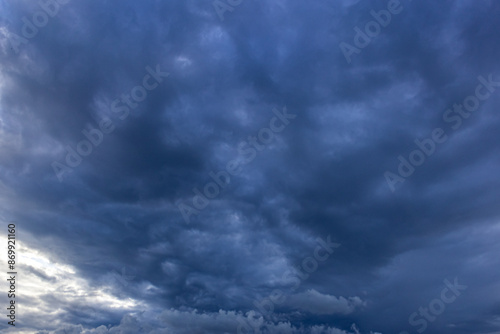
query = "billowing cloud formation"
x=315 y=302
x=193 y=322
x=157 y=185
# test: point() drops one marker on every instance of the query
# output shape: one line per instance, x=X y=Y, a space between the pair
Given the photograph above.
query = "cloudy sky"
x=243 y=166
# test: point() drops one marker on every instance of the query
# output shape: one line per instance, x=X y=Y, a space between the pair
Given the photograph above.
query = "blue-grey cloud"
x=109 y=249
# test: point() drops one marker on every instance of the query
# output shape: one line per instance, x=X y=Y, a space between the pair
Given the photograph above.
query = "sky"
x=243 y=166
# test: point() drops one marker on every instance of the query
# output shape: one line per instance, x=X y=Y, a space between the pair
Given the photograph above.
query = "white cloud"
x=317 y=303
x=194 y=322
x=50 y=292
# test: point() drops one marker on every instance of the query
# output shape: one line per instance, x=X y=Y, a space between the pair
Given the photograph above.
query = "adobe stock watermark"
x=427 y=146
x=436 y=307
x=309 y=265
x=222 y=6
x=372 y=29
x=125 y=277
x=121 y=107
x=48 y=9
x=247 y=152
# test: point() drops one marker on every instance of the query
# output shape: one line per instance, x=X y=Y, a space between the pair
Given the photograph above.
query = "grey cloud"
x=322 y=176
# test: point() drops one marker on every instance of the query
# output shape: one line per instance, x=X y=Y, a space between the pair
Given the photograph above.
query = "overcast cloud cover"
x=317 y=230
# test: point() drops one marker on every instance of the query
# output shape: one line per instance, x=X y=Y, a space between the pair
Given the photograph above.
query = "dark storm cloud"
x=114 y=219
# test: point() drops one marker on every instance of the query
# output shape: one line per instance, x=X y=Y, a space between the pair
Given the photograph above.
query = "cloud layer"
x=107 y=248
